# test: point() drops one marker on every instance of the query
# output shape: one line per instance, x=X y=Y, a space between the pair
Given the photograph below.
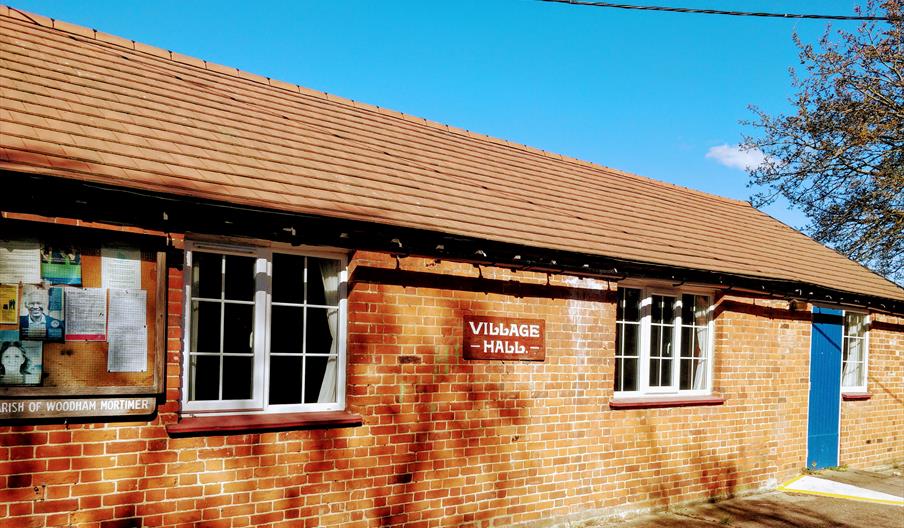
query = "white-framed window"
x=663 y=342
x=264 y=329
x=855 y=352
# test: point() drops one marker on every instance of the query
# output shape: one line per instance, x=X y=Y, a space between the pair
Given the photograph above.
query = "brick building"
x=315 y=312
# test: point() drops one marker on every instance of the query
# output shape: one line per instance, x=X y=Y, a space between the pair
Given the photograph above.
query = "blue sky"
x=650 y=93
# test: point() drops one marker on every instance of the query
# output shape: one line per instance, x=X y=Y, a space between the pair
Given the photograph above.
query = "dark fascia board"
x=62 y=197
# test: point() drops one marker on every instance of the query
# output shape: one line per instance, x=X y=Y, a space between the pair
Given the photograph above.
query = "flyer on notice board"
x=120 y=268
x=20 y=261
x=86 y=314
x=127 y=331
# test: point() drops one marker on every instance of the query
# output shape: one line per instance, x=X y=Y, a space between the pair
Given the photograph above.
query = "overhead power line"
x=720 y=12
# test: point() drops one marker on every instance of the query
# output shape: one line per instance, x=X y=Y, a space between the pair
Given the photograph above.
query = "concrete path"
x=779 y=509
x=825 y=487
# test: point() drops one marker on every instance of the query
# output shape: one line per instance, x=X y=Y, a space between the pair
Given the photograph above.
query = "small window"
x=663 y=343
x=854 y=352
x=265 y=330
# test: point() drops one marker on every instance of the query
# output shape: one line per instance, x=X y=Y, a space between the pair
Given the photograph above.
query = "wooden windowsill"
x=855 y=396
x=655 y=402
x=249 y=423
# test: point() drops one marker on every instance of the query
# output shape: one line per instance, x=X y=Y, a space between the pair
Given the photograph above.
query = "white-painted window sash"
x=864 y=340
x=643 y=371
x=261 y=339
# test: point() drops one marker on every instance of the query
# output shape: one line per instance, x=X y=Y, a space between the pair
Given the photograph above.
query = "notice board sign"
x=71 y=407
x=504 y=338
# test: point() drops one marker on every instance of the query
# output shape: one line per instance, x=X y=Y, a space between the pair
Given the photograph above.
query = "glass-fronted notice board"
x=82 y=322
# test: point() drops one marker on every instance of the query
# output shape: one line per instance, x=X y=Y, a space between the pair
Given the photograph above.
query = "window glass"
x=320 y=275
x=286 y=329
x=205 y=326
x=315 y=377
x=288 y=278
x=207 y=280
x=263 y=344
x=285 y=379
x=627 y=339
x=239 y=280
x=853 y=359
x=237 y=377
x=669 y=335
x=238 y=323
x=661 y=347
x=205 y=377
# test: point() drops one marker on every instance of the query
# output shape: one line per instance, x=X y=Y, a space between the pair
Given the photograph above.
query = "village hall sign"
x=503 y=338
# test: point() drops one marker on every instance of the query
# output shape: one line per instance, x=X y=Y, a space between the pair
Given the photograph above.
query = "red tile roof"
x=81 y=104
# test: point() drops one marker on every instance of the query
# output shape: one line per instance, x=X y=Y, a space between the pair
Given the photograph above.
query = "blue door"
x=825 y=388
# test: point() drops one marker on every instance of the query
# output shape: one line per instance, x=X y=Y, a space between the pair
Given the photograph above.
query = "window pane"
x=632 y=340
x=666 y=375
x=661 y=341
x=320 y=330
x=205 y=326
x=687 y=309
x=237 y=377
x=654 y=372
x=205 y=377
x=286 y=329
x=206 y=280
x=693 y=341
x=626 y=338
x=853 y=349
x=628 y=308
x=663 y=309
x=629 y=380
x=693 y=374
x=316 y=374
x=855 y=324
x=667 y=350
x=701 y=308
x=852 y=375
x=285 y=379
x=288 y=278
x=237 y=327
x=240 y=278
x=323 y=281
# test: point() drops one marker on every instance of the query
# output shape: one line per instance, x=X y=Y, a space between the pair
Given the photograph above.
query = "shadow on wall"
x=460 y=428
x=703 y=467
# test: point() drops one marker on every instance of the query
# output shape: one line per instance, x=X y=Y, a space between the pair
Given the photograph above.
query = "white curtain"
x=700 y=353
x=329 y=270
x=851 y=376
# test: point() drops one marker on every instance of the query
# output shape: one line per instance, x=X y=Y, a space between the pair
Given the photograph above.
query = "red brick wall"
x=449 y=442
x=872 y=431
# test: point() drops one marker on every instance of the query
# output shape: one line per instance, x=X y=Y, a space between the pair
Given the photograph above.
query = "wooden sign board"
x=72 y=407
x=504 y=338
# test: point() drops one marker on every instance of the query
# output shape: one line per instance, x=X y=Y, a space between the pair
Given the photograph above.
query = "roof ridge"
x=85 y=32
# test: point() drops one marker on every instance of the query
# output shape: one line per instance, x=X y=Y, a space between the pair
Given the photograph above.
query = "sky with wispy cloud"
x=657 y=94
x=734 y=156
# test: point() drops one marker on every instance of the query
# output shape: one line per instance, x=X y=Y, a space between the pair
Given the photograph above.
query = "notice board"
x=82 y=321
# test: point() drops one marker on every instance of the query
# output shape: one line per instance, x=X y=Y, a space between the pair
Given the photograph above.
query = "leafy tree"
x=840 y=158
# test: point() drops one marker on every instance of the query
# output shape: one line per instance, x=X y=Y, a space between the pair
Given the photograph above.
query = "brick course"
x=449 y=442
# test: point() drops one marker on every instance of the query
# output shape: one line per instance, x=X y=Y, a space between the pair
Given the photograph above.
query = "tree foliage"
x=840 y=157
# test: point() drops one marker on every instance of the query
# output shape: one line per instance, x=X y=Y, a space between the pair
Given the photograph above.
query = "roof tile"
x=156 y=120
x=74 y=29
x=113 y=39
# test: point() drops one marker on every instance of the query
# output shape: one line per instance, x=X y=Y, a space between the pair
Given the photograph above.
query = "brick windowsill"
x=249 y=423
x=667 y=401
x=855 y=396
